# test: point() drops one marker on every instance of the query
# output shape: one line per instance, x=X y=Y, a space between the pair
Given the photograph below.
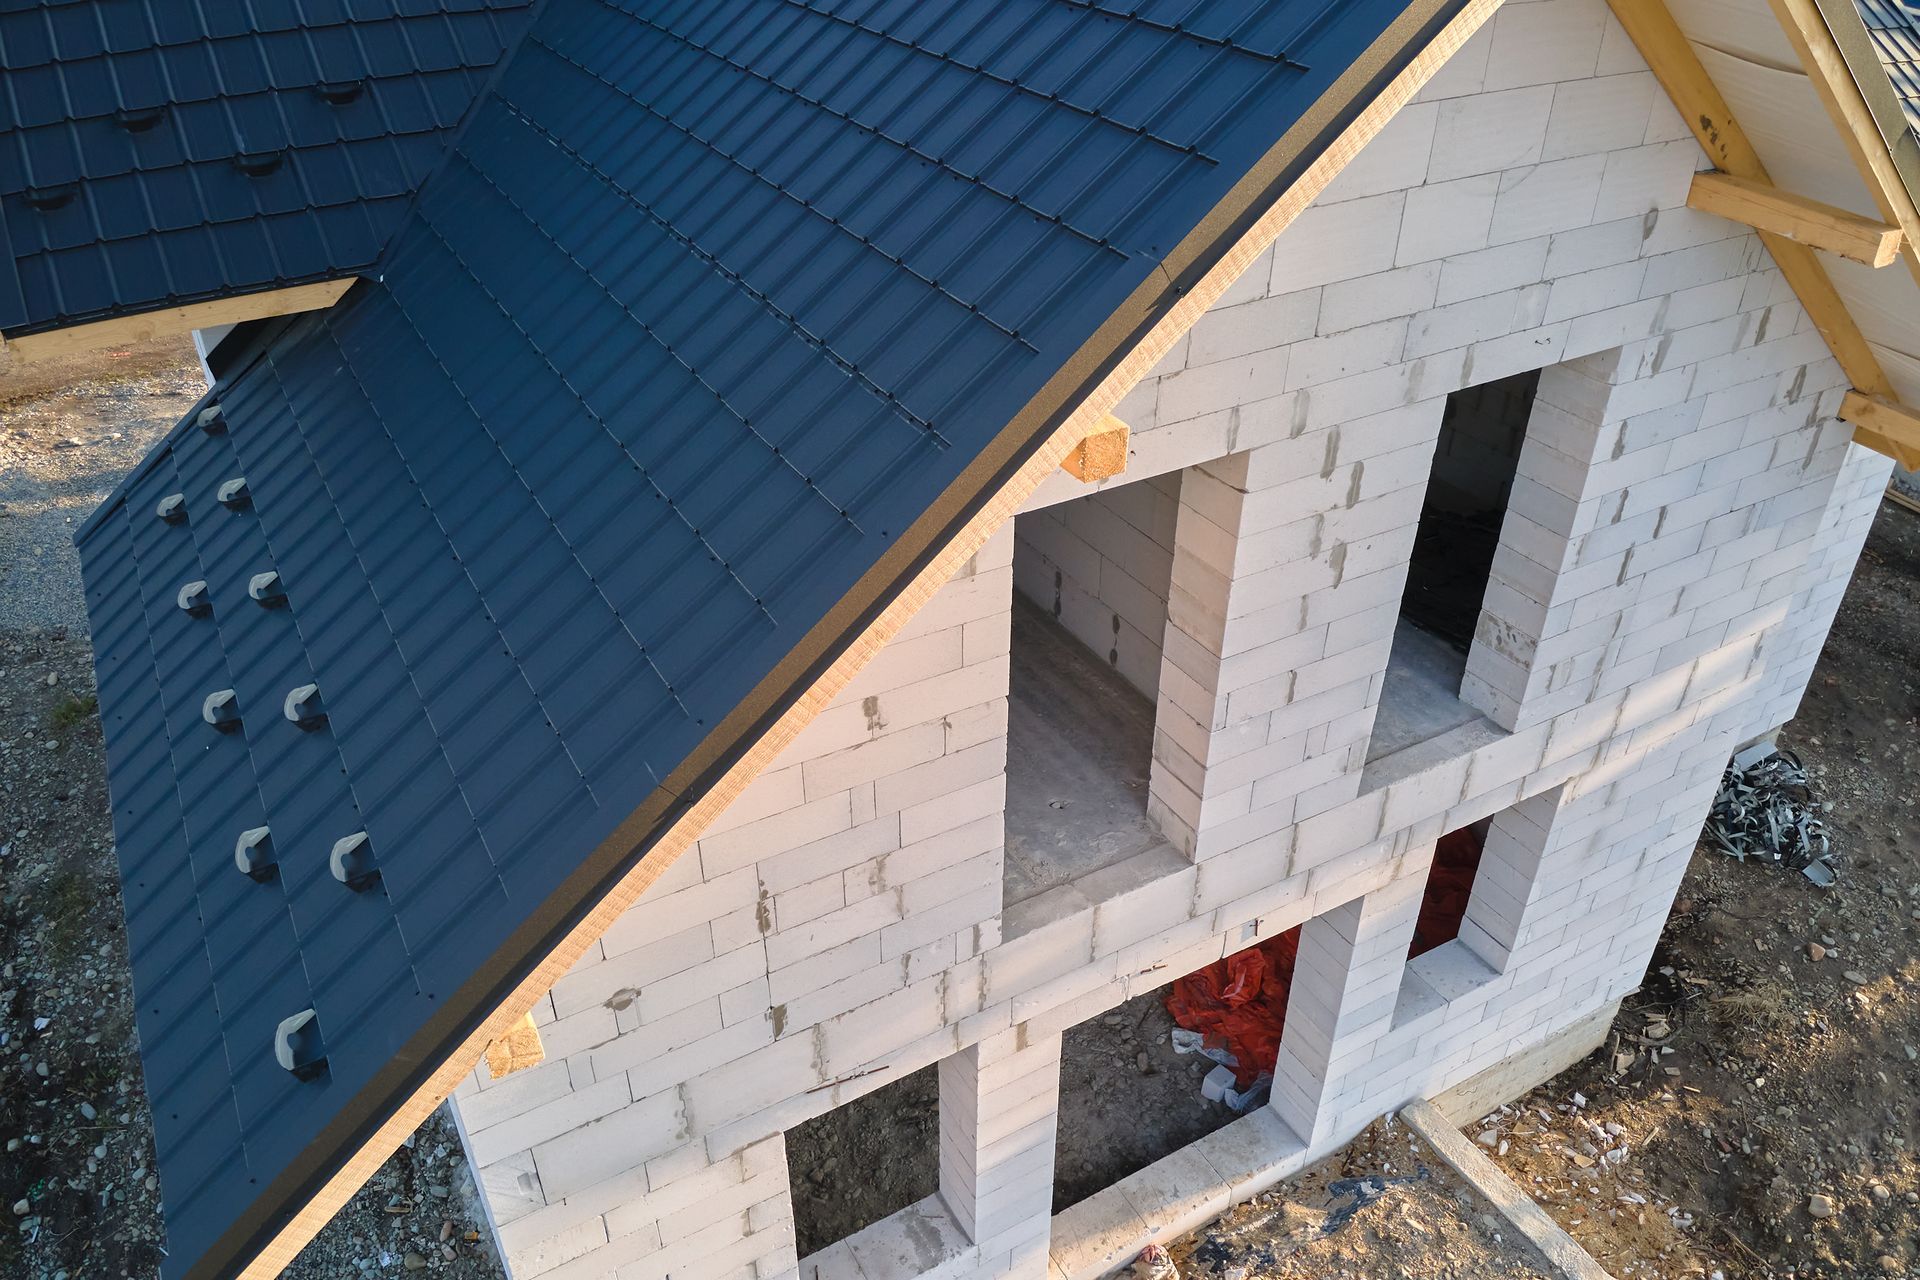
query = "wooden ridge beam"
x=1651 y=27
x=1809 y=222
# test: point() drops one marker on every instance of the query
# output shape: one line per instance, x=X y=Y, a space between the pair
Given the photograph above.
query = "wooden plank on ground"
x=1513 y=1204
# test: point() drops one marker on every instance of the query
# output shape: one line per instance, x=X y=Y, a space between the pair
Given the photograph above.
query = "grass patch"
x=71 y=711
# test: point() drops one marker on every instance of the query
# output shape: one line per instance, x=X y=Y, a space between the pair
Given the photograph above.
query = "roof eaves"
x=1029 y=448
x=1890 y=137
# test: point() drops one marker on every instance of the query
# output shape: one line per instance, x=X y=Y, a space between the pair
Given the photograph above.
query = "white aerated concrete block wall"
x=1101 y=568
x=1687 y=513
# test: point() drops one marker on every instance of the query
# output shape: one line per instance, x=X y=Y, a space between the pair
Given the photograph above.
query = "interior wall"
x=1101 y=566
x=1480 y=437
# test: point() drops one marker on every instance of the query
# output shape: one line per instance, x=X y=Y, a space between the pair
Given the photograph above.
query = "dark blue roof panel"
x=710 y=305
x=156 y=152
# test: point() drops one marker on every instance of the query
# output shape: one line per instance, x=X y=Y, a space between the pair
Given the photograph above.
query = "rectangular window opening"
x=865 y=1161
x=1443 y=907
x=1091 y=579
x=1145 y=1079
x=1474 y=466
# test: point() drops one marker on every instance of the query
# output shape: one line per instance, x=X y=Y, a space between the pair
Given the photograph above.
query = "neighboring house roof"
x=715 y=325
x=154 y=152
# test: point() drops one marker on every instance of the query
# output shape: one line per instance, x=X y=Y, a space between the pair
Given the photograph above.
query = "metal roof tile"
x=230 y=81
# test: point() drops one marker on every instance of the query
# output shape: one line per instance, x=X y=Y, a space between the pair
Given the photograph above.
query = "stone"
x=21 y=1208
x=414 y=1261
x=1856 y=977
x=1816 y=952
x=1820 y=1206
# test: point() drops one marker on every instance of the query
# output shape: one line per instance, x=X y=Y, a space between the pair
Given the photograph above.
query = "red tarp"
x=1240 y=1003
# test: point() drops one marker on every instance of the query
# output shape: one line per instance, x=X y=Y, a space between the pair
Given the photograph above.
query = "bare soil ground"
x=1761 y=1084
x=1383 y=1208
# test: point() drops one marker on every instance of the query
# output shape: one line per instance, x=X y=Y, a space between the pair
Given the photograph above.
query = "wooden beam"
x=1816 y=225
x=1650 y=25
x=517 y=1050
x=122 y=330
x=1884 y=425
x=1102 y=455
x=1820 y=57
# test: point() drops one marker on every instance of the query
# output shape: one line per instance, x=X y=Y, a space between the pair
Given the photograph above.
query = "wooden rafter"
x=1816 y=225
x=517 y=1050
x=1820 y=57
x=1650 y=25
x=1102 y=455
x=1885 y=420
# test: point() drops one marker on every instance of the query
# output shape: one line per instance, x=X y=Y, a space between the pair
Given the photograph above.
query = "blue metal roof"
x=154 y=152
x=717 y=322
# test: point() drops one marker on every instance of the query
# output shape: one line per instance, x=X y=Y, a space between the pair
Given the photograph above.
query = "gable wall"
x=841 y=927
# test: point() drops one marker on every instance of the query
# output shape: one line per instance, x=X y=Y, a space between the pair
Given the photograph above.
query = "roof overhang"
x=1766 y=85
x=143 y=326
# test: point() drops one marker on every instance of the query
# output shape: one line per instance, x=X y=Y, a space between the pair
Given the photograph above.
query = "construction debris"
x=1765 y=809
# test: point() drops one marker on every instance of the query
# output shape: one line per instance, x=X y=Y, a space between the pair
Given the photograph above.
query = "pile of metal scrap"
x=1765 y=809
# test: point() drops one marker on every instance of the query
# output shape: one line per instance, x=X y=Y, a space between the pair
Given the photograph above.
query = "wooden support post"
x=1816 y=225
x=1101 y=455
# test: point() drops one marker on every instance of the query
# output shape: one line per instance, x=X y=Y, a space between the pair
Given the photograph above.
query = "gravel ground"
x=77 y=1187
x=68 y=433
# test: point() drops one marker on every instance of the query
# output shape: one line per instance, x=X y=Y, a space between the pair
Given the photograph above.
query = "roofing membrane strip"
x=709 y=304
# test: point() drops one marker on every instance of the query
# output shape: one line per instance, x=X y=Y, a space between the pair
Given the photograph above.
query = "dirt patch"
x=865 y=1161
x=1383 y=1208
x=1759 y=1088
x=1126 y=1098
x=78 y=1191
